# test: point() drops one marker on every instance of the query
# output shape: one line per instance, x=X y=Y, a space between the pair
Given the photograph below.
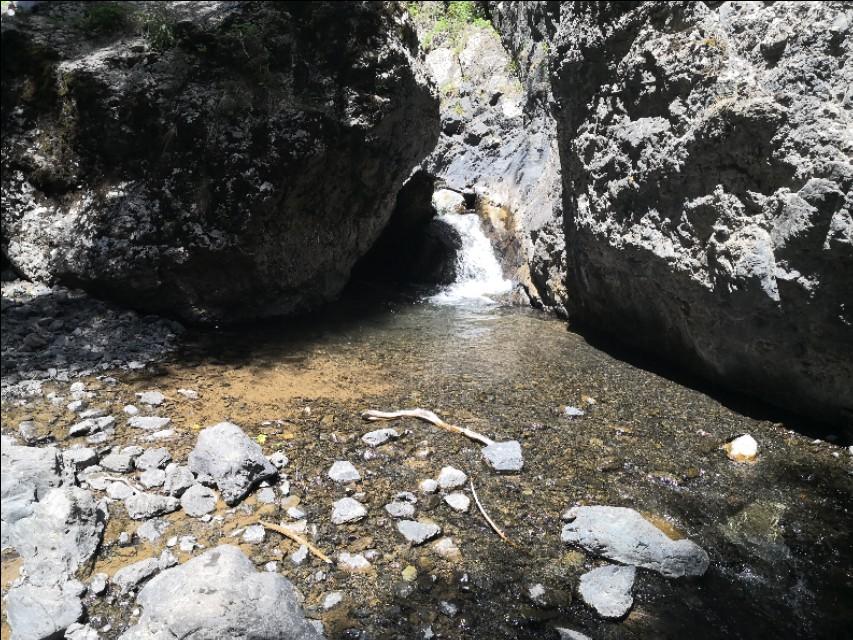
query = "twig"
x=426 y=416
x=495 y=527
x=287 y=533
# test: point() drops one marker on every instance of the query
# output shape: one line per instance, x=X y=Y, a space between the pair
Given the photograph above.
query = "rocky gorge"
x=234 y=234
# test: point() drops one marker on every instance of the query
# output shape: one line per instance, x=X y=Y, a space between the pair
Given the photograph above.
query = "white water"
x=478 y=273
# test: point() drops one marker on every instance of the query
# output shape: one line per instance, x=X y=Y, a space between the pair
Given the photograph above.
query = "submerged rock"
x=231 y=459
x=623 y=535
x=608 y=590
x=248 y=604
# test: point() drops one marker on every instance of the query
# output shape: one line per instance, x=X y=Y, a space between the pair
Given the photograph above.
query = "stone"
x=152 y=478
x=76 y=406
x=189 y=394
x=458 y=502
x=504 y=457
x=254 y=534
x=271 y=566
x=166 y=560
x=428 y=486
x=151 y=530
x=151 y=398
x=300 y=555
x=231 y=459
x=119 y=490
x=416 y=532
x=353 y=563
x=42 y=612
x=266 y=495
x=570 y=634
x=177 y=603
x=742 y=449
x=198 y=500
x=343 y=471
x=130 y=577
x=347 y=510
x=149 y=423
x=125 y=539
x=279 y=459
x=608 y=590
x=98 y=583
x=447 y=549
x=134 y=451
x=141 y=506
x=379 y=437
x=91 y=425
x=451 y=478
x=623 y=535
x=178 y=479
x=398 y=509
x=332 y=599
x=90 y=414
x=237 y=257
x=79 y=458
x=573 y=412
x=153 y=459
x=118 y=462
x=79 y=631
x=130 y=410
x=448 y=608
x=296 y=513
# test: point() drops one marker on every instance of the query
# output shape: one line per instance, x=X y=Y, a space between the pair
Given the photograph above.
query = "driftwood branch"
x=491 y=522
x=426 y=416
x=287 y=533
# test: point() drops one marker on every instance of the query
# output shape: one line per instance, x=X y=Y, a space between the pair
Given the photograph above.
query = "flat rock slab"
x=418 y=532
x=129 y=577
x=180 y=602
x=141 y=506
x=149 y=423
x=118 y=462
x=623 y=535
x=231 y=459
x=153 y=459
x=151 y=398
x=608 y=590
x=504 y=457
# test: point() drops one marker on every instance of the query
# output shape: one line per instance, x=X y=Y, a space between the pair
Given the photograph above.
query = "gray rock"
x=97 y=412
x=458 y=501
x=233 y=461
x=279 y=459
x=130 y=410
x=151 y=398
x=300 y=555
x=91 y=425
x=141 y=506
x=353 y=563
x=189 y=394
x=266 y=495
x=428 y=486
x=343 y=471
x=573 y=412
x=98 y=583
x=347 y=510
x=254 y=534
x=504 y=457
x=153 y=459
x=151 y=530
x=118 y=462
x=152 y=478
x=43 y=612
x=179 y=478
x=249 y=604
x=416 y=532
x=451 y=478
x=149 y=423
x=79 y=458
x=608 y=590
x=119 y=490
x=130 y=577
x=332 y=599
x=570 y=634
x=198 y=500
x=379 y=437
x=398 y=509
x=79 y=631
x=623 y=535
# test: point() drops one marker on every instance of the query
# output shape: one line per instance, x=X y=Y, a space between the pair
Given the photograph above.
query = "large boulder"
x=707 y=179
x=219 y=594
x=232 y=160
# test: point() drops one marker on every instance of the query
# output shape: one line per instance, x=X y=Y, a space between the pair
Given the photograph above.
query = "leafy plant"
x=444 y=23
x=158 y=27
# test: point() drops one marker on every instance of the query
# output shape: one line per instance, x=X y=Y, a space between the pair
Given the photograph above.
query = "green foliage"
x=444 y=23
x=158 y=27
x=102 y=18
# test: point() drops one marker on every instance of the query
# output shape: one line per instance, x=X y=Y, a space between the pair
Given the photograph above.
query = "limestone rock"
x=504 y=457
x=608 y=590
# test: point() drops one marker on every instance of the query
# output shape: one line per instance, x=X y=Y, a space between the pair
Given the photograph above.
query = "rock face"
x=623 y=535
x=180 y=602
x=706 y=157
x=248 y=167
x=226 y=455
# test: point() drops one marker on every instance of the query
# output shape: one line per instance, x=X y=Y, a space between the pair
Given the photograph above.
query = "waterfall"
x=478 y=273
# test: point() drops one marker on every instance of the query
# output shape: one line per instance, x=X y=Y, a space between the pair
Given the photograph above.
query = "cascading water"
x=478 y=273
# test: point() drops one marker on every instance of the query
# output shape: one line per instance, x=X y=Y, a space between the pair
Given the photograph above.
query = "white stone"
x=742 y=449
x=343 y=471
x=428 y=486
x=347 y=510
x=458 y=501
x=451 y=478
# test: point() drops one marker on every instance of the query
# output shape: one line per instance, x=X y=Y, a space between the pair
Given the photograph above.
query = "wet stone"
x=608 y=590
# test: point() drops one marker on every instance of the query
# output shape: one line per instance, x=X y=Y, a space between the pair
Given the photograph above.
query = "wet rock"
x=178 y=602
x=151 y=530
x=504 y=457
x=347 y=510
x=379 y=437
x=451 y=478
x=231 y=459
x=198 y=500
x=151 y=398
x=149 y=423
x=118 y=462
x=254 y=534
x=178 y=479
x=141 y=505
x=399 y=509
x=623 y=535
x=153 y=459
x=608 y=590
x=152 y=478
x=343 y=471
x=742 y=449
x=43 y=612
x=416 y=532
x=130 y=577
x=353 y=563
x=458 y=502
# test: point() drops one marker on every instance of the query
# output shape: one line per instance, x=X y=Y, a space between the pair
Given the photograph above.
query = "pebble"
x=570 y=634
x=451 y=478
x=152 y=478
x=98 y=584
x=296 y=513
x=410 y=573
x=379 y=437
x=353 y=563
x=504 y=457
x=400 y=509
x=416 y=532
x=187 y=543
x=149 y=423
x=189 y=394
x=254 y=534
x=343 y=471
x=146 y=505
x=151 y=398
x=119 y=490
x=608 y=590
x=266 y=495
x=271 y=567
x=428 y=486
x=458 y=502
x=742 y=449
x=130 y=410
x=573 y=412
x=347 y=510
x=76 y=406
x=332 y=599
x=447 y=549
x=153 y=459
x=536 y=593
x=124 y=539
x=300 y=555
x=279 y=459
x=151 y=530
x=448 y=608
